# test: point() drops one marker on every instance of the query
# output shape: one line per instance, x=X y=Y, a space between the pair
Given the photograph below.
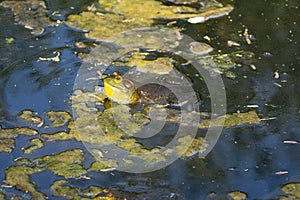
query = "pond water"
x=254 y=159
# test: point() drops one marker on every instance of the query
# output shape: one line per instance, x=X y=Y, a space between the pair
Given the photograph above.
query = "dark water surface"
x=245 y=158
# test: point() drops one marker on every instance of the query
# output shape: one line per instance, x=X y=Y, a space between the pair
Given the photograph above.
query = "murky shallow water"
x=245 y=158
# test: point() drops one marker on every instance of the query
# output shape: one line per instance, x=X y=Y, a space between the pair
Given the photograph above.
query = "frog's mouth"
x=122 y=91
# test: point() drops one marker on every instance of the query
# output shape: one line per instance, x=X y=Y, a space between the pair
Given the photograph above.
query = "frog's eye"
x=118 y=78
x=109 y=195
x=128 y=84
x=116 y=73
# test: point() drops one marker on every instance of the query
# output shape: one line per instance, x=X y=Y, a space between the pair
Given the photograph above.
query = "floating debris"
x=171 y=23
x=268 y=118
x=252 y=106
x=267 y=54
x=232 y=43
x=211 y=14
x=207 y=38
x=277 y=84
x=276 y=75
x=246 y=35
x=290 y=142
x=197 y=20
x=200 y=48
x=54 y=59
x=281 y=172
x=230 y=74
x=252 y=66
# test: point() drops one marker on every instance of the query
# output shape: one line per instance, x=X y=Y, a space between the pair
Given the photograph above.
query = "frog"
x=125 y=91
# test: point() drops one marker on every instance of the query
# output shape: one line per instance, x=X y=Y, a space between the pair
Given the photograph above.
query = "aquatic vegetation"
x=61 y=135
x=237 y=195
x=67 y=164
x=93 y=191
x=292 y=190
x=7 y=145
x=115 y=17
x=104 y=165
x=31 y=14
x=9 y=40
x=7 y=137
x=197 y=146
x=60 y=189
x=234 y=119
x=58 y=118
x=2 y=195
x=36 y=143
x=31 y=117
x=19 y=176
x=161 y=65
x=24 y=161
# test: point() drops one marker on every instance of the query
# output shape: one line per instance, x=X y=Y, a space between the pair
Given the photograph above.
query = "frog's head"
x=119 y=89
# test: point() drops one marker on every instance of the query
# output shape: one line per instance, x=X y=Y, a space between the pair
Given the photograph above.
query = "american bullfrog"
x=124 y=91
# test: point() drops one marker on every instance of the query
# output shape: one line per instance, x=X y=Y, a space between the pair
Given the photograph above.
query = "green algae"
x=126 y=15
x=188 y=149
x=36 y=144
x=80 y=96
x=59 y=118
x=234 y=119
x=32 y=14
x=2 y=196
x=60 y=189
x=230 y=75
x=161 y=65
x=31 y=117
x=92 y=191
x=7 y=137
x=292 y=190
x=237 y=195
x=61 y=135
x=9 y=40
x=19 y=177
x=7 y=145
x=115 y=125
x=23 y=161
x=67 y=164
x=221 y=63
x=24 y=131
x=104 y=165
